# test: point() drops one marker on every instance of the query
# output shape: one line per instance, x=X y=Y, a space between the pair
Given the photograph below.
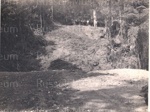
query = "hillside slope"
x=82 y=47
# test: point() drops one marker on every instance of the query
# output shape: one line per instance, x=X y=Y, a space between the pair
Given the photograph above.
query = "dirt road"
x=73 y=91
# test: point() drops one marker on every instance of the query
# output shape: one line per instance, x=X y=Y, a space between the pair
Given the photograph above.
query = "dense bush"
x=17 y=38
x=138 y=3
x=144 y=93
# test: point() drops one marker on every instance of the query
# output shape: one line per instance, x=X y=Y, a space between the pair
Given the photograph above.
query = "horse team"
x=114 y=29
x=89 y=22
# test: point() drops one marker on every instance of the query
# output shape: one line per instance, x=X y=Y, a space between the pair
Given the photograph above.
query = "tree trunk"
x=41 y=22
x=109 y=20
x=52 y=14
x=110 y=14
x=94 y=18
x=120 y=15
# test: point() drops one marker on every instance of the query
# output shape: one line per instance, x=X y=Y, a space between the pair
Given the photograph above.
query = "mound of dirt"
x=80 y=46
x=83 y=47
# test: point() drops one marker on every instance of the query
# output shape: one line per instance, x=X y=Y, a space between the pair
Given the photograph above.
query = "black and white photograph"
x=74 y=56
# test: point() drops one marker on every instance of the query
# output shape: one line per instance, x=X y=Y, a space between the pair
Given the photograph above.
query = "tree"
x=120 y=14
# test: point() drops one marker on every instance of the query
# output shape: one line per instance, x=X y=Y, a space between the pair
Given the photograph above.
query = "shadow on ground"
x=44 y=91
